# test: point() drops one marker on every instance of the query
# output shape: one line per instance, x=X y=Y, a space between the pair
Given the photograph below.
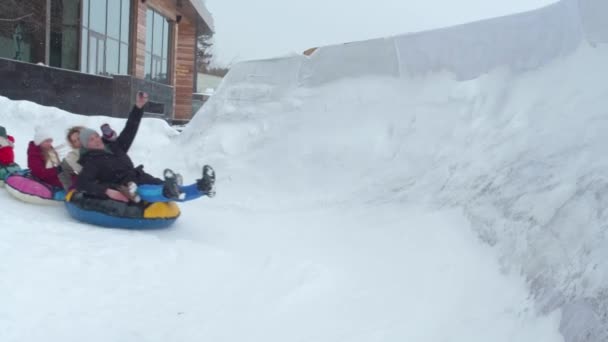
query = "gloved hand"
x=130 y=192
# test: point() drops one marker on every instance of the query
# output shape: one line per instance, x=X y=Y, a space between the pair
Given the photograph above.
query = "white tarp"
x=519 y=42
x=593 y=15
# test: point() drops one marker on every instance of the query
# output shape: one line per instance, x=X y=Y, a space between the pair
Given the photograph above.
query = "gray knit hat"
x=3 y=132
x=85 y=134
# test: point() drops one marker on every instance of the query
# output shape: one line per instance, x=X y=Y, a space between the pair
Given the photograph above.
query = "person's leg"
x=145 y=178
x=154 y=193
x=7 y=170
x=152 y=189
x=157 y=192
x=191 y=191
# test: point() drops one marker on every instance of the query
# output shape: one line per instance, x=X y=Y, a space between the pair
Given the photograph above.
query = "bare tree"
x=204 y=55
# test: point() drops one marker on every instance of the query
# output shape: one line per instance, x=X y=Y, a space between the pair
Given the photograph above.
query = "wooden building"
x=127 y=44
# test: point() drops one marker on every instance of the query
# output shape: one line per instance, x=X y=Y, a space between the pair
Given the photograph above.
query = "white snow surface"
x=456 y=202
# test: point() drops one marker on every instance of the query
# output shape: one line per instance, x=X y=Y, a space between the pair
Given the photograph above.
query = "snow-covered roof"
x=201 y=9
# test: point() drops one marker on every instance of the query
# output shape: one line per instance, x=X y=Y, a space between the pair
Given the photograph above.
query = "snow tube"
x=115 y=214
x=28 y=189
x=7 y=170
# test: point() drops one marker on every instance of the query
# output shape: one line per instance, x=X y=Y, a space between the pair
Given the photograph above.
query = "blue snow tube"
x=115 y=214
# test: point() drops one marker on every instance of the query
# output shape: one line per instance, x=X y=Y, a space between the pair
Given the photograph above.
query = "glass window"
x=112 y=58
x=65 y=40
x=92 y=55
x=158 y=32
x=108 y=36
x=114 y=19
x=149 y=29
x=163 y=70
x=85 y=13
x=157 y=46
x=124 y=59
x=148 y=72
x=22 y=40
x=10 y=40
x=157 y=68
x=125 y=19
x=100 y=56
x=166 y=40
x=98 y=16
x=83 y=51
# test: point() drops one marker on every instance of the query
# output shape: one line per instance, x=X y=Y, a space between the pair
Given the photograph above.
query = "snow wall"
x=551 y=229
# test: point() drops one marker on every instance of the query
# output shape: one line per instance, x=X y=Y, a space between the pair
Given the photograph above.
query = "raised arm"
x=126 y=137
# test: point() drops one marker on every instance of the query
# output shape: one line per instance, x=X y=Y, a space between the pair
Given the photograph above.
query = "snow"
x=446 y=204
x=306 y=275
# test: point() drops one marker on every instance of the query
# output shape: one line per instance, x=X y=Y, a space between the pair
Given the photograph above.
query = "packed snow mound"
x=241 y=267
x=503 y=118
x=357 y=201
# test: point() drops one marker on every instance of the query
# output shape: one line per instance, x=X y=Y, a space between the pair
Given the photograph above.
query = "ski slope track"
x=447 y=185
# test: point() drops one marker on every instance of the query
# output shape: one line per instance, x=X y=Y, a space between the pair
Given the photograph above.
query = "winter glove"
x=130 y=192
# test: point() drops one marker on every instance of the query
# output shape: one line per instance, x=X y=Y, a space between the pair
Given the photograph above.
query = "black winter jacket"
x=104 y=169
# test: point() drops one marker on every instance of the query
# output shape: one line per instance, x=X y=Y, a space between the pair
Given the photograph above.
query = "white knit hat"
x=42 y=134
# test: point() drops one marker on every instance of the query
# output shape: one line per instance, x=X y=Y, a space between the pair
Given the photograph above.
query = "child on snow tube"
x=7 y=156
x=70 y=168
x=42 y=159
x=41 y=184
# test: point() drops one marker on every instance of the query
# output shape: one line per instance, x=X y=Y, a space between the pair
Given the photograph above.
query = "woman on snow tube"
x=7 y=156
x=145 y=207
x=109 y=174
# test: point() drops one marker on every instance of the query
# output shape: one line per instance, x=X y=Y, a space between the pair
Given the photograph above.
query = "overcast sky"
x=254 y=29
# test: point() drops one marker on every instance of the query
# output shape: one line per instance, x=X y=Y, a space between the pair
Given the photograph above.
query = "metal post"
x=47 y=43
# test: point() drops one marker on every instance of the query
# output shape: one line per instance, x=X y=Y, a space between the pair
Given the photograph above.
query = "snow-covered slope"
x=265 y=260
x=449 y=203
x=509 y=128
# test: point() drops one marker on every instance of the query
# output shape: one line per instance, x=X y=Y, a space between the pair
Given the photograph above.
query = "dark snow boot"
x=171 y=188
x=207 y=183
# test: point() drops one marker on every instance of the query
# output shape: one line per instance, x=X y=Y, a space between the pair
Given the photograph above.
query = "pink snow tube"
x=30 y=190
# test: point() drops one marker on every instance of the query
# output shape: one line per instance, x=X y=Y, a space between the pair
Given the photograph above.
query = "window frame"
x=105 y=37
x=167 y=52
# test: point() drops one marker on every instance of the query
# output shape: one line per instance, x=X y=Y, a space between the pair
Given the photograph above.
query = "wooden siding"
x=138 y=50
x=181 y=58
x=184 y=69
